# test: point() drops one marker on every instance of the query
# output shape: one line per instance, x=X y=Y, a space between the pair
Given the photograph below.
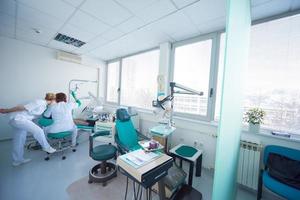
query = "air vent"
x=68 y=40
x=69 y=57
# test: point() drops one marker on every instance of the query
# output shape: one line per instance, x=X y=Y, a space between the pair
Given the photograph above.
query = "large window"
x=272 y=81
x=192 y=64
x=112 y=81
x=139 y=74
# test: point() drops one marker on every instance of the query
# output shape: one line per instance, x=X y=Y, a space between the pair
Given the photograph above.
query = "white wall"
x=29 y=71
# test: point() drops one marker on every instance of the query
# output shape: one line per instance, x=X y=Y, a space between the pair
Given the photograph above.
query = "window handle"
x=211 y=92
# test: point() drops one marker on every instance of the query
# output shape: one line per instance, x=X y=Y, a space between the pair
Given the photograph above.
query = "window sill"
x=267 y=133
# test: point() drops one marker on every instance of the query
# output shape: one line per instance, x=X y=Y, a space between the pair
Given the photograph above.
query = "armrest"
x=94 y=135
x=122 y=148
x=100 y=133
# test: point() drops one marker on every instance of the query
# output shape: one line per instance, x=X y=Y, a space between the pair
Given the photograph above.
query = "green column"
x=238 y=25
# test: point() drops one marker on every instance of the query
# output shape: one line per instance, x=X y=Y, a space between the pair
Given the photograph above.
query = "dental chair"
x=126 y=138
x=61 y=140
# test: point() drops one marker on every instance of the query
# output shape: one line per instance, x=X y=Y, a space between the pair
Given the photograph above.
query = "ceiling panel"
x=106 y=10
x=295 y=5
x=7 y=31
x=94 y=43
x=176 y=23
x=6 y=20
x=8 y=7
x=205 y=10
x=37 y=17
x=74 y=3
x=183 y=3
x=130 y=25
x=112 y=34
x=157 y=10
x=213 y=25
x=27 y=34
x=88 y=23
x=77 y=33
x=55 y=8
x=7 y=24
x=270 y=8
x=136 y=5
x=61 y=46
x=258 y=2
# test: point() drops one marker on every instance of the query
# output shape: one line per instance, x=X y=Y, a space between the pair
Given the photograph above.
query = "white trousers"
x=21 y=128
x=74 y=131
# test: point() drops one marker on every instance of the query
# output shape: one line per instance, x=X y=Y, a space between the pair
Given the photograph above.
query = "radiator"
x=248 y=168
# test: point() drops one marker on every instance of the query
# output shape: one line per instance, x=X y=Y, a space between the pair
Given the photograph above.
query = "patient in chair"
x=62 y=117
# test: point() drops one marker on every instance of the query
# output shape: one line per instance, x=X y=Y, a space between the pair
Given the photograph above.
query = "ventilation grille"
x=68 y=40
x=69 y=57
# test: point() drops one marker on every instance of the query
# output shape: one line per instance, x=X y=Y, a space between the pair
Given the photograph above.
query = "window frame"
x=106 y=82
x=120 y=59
x=215 y=42
x=264 y=129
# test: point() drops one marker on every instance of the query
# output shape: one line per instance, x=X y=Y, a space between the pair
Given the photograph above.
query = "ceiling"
x=113 y=28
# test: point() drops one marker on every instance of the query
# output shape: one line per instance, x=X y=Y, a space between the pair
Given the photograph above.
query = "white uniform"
x=22 y=124
x=62 y=117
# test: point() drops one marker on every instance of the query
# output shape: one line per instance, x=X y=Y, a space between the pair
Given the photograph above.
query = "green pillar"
x=238 y=25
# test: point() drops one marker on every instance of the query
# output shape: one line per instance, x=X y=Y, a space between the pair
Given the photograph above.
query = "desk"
x=150 y=173
x=162 y=134
x=197 y=157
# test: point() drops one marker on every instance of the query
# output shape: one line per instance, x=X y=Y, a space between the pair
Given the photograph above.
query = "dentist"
x=21 y=121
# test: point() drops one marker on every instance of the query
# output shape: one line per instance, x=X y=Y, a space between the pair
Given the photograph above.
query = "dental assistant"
x=21 y=121
x=62 y=117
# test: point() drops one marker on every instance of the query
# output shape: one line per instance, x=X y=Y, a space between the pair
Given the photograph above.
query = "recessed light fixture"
x=68 y=40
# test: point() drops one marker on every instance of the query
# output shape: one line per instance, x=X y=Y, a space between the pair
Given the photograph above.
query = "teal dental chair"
x=127 y=139
x=60 y=140
x=126 y=136
x=286 y=157
x=105 y=170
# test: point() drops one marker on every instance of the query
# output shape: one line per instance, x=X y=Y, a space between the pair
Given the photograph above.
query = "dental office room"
x=149 y=99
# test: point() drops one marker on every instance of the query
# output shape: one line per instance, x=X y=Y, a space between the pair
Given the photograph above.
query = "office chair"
x=102 y=153
x=281 y=173
x=61 y=140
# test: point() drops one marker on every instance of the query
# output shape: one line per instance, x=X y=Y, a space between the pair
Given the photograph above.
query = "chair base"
x=100 y=174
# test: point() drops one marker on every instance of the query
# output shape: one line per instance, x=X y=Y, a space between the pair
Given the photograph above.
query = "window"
x=272 y=80
x=192 y=69
x=112 y=81
x=139 y=74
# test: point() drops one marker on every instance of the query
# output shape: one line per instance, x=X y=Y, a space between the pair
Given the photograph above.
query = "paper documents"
x=139 y=157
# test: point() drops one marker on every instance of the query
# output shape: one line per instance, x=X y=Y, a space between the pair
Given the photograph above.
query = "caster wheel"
x=90 y=182
x=74 y=150
x=64 y=157
x=47 y=158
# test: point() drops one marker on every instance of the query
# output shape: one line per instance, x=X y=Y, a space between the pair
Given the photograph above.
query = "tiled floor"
x=45 y=180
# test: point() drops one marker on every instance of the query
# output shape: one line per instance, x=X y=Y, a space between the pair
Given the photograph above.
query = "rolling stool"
x=62 y=138
x=104 y=171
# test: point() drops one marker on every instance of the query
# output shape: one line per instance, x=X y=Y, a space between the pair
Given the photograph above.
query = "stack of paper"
x=139 y=157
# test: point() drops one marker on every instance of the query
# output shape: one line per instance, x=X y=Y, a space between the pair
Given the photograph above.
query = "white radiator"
x=248 y=168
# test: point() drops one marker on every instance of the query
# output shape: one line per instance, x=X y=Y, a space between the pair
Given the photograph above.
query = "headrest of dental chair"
x=122 y=115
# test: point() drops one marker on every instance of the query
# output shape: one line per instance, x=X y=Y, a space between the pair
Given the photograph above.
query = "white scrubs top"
x=61 y=114
x=32 y=110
